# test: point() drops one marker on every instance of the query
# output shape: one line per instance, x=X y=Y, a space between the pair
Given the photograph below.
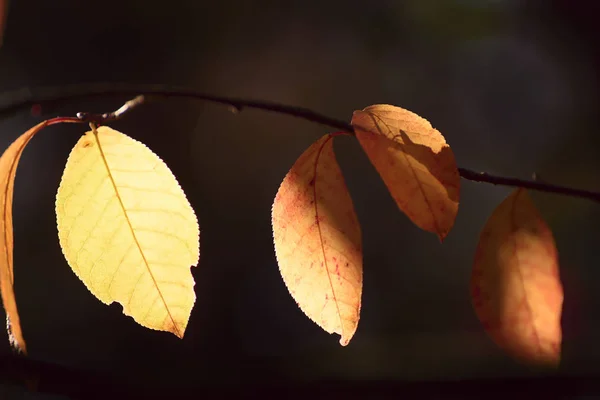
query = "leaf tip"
x=15 y=338
x=344 y=340
x=179 y=333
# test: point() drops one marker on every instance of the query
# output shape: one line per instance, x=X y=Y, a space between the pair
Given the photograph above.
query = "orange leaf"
x=8 y=168
x=515 y=285
x=318 y=241
x=415 y=163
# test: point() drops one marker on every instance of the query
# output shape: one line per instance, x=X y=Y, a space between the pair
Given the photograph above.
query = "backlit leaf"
x=415 y=163
x=127 y=229
x=8 y=169
x=515 y=286
x=318 y=241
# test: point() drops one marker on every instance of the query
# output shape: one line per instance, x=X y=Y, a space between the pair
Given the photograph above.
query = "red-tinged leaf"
x=318 y=241
x=515 y=286
x=415 y=163
x=8 y=168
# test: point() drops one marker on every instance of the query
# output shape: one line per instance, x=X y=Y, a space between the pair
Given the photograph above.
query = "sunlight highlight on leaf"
x=127 y=229
x=318 y=241
x=415 y=163
x=515 y=286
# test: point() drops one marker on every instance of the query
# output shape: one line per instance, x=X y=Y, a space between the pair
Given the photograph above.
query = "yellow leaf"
x=8 y=169
x=127 y=229
x=415 y=163
x=318 y=241
x=515 y=286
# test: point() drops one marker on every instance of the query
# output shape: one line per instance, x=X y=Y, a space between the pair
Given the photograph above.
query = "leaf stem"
x=26 y=97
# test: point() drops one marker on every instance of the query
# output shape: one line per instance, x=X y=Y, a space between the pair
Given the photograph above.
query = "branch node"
x=100 y=119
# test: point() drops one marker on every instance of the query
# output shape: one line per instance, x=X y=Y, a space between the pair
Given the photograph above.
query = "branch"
x=20 y=99
x=24 y=98
x=533 y=185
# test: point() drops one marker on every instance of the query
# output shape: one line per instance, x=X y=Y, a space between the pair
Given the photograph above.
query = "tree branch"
x=533 y=185
x=23 y=98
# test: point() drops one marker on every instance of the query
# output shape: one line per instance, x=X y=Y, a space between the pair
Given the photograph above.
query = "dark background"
x=513 y=86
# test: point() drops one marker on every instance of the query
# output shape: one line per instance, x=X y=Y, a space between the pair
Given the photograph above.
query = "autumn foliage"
x=515 y=285
x=129 y=233
x=127 y=229
x=415 y=163
x=318 y=242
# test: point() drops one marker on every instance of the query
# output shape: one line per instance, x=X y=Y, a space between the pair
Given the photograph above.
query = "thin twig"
x=533 y=185
x=26 y=97
x=29 y=97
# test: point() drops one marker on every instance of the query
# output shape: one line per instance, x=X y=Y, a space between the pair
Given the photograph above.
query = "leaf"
x=8 y=169
x=415 y=163
x=127 y=229
x=318 y=241
x=515 y=286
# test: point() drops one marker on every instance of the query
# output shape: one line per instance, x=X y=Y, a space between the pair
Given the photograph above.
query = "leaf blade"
x=415 y=163
x=515 y=284
x=318 y=241
x=8 y=168
x=124 y=223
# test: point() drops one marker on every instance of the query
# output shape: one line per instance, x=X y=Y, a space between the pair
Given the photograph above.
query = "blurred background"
x=513 y=86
